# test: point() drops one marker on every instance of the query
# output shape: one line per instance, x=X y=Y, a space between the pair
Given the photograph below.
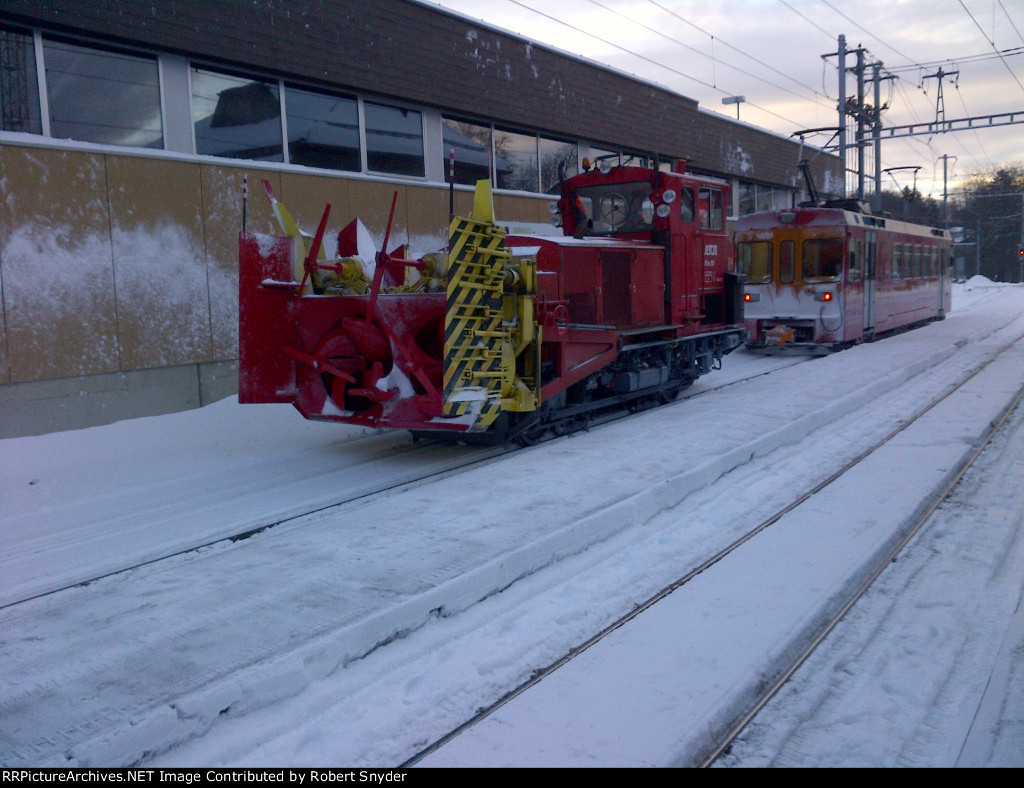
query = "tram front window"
x=754 y=258
x=822 y=259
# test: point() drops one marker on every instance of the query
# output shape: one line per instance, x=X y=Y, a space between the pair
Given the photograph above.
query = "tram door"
x=870 y=260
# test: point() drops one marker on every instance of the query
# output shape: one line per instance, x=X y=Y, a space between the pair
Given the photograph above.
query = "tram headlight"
x=662 y=210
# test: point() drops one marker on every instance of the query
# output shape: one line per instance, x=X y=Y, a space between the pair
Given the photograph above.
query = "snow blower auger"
x=445 y=345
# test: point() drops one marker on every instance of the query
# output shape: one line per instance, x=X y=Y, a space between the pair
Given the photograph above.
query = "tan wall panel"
x=222 y=221
x=463 y=202
x=306 y=196
x=57 y=264
x=509 y=207
x=371 y=202
x=156 y=224
x=428 y=219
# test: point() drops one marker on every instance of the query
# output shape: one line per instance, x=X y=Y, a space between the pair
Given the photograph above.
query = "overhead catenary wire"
x=657 y=63
x=993 y=43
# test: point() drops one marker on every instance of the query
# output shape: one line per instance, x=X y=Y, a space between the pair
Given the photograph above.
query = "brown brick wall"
x=410 y=52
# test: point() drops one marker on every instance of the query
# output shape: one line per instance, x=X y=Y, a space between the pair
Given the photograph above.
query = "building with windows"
x=129 y=128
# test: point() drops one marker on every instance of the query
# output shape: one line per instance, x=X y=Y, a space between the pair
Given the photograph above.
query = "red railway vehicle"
x=820 y=278
x=499 y=337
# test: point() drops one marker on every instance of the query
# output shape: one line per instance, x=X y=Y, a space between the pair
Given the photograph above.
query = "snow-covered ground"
x=359 y=634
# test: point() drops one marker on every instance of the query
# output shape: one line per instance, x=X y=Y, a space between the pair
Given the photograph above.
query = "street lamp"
x=737 y=100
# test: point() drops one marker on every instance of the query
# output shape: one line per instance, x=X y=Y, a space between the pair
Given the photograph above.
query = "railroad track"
x=377 y=447
x=475 y=457
x=873 y=572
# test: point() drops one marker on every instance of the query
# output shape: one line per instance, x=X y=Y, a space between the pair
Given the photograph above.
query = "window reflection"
x=747 y=198
x=519 y=152
x=323 y=131
x=472 y=145
x=19 y=87
x=553 y=155
x=102 y=96
x=394 y=140
x=236 y=117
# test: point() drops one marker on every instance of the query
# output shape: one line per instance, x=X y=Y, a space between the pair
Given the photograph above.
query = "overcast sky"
x=770 y=52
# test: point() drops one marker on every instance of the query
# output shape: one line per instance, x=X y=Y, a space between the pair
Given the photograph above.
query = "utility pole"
x=940 y=102
x=945 y=188
x=860 y=122
x=876 y=204
x=841 y=52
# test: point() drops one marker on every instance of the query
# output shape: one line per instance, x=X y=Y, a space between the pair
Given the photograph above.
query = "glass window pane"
x=897 y=261
x=709 y=208
x=787 y=262
x=748 y=194
x=823 y=259
x=472 y=146
x=553 y=154
x=686 y=203
x=602 y=154
x=616 y=207
x=323 y=131
x=515 y=158
x=100 y=96
x=19 y=87
x=236 y=117
x=394 y=140
x=853 y=273
x=765 y=198
x=755 y=260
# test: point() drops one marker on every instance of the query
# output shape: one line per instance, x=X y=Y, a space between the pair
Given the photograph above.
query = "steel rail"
x=859 y=592
x=491 y=454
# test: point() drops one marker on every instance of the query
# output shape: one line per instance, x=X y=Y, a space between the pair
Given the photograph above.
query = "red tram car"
x=822 y=278
x=499 y=337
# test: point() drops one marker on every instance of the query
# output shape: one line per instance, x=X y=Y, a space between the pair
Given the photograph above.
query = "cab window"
x=822 y=259
x=787 y=262
x=754 y=258
x=709 y=208
x=616 y=208
x=853 y=272
x=686 y=203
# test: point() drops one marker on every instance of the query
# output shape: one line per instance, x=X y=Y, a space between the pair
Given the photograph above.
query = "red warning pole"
x=451 y=185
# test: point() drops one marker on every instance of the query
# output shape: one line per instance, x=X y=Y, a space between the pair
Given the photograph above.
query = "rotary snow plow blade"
x=446 y=342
